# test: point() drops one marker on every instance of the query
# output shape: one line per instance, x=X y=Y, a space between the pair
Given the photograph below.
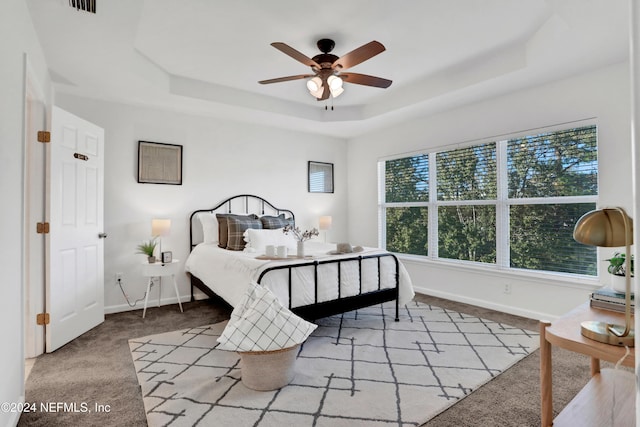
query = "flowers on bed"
x=300 y=235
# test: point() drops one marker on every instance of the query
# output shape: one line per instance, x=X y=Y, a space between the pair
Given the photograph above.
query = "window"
x=466 y=182
x=511 y=203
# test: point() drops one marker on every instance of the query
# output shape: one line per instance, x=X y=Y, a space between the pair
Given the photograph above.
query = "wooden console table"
x=593 y=405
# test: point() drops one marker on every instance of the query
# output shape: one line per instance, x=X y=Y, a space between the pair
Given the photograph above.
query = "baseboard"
x=152 y=303
x=529 y=314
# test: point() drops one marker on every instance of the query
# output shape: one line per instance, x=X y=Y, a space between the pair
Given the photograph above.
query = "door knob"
x=102 y=235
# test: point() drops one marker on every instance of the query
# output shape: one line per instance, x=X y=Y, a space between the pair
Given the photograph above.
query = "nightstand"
x=160 y=270
x=593 y=404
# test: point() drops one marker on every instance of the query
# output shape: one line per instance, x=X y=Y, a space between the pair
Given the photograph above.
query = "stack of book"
x=610 y=300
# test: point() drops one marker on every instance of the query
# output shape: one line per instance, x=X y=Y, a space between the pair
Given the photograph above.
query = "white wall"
x=17 y=39
x=603 y=94
x=220 y=159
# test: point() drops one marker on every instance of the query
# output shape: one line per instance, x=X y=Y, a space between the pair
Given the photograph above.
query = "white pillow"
x=261 y=323
x=209 y=226
x=258 y=239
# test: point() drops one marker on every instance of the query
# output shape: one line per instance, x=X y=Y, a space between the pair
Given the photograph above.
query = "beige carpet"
x=97 y=368
x=361 y=368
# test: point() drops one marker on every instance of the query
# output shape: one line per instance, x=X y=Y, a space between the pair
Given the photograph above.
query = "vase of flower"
x=300 y=237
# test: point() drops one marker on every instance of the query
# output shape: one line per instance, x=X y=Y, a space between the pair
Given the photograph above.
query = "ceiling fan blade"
x=363 y=79
x=298 y=56
x=359 y=55
x=286 y=79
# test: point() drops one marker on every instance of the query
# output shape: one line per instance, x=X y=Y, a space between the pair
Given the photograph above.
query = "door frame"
x=33 y=272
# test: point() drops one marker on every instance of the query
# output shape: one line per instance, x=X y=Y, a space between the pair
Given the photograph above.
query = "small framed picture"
x=167 y=257
x=320 y=177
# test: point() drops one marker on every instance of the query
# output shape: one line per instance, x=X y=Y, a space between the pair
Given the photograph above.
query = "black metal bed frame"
x=229 y=203
x=317 y=309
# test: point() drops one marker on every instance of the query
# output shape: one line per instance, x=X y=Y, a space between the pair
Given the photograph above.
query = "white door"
x=75 y=264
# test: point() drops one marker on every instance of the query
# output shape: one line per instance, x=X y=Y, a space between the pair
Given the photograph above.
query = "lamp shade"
x=334 y=82
x=315 y=87
x=325 y=223
x=335 y=85
x=605 y=228
x=160 y=227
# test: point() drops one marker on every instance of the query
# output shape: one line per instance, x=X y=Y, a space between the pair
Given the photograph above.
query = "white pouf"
x=268 y=370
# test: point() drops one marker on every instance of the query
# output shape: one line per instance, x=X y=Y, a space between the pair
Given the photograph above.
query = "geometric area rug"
x=356 y=369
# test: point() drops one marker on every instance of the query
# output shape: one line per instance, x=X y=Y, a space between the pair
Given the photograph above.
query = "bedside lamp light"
x=160 y=228
x=610 y=227
x=324 y=225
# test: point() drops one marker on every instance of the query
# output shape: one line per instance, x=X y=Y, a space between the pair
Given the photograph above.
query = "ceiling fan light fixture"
x=336 y=92
x=315 y=86
x=312 y=84
x=335 y=82
x=335 y=86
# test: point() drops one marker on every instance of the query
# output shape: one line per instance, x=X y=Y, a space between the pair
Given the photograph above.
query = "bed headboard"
x=240 y=204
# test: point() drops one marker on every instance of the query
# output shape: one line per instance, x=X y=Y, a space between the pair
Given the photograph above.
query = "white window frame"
x=502 y=201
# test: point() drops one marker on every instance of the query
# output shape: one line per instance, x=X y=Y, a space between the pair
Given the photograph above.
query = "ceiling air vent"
x=86 y=5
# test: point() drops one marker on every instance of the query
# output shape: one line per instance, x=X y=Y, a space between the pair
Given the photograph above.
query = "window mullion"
x=433 y=208
x=502 y=207
x=382 y=214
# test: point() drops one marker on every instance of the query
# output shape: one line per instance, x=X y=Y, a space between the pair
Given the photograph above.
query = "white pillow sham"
x=258 y=239
x=209 y=226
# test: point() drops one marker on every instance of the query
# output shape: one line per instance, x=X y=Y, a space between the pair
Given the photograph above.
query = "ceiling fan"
x=327 y=77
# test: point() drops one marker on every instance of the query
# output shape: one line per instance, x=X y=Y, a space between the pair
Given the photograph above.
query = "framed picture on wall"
x=320 y=177
x=159 y=163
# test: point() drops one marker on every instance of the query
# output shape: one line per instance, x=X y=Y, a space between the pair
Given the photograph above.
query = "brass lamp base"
x=607 y=333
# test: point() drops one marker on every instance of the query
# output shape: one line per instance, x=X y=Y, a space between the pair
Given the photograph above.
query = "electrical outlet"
x=118 y=278
x=507 y=288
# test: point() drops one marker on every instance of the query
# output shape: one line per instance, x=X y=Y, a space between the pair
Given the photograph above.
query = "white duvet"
x=228 y=274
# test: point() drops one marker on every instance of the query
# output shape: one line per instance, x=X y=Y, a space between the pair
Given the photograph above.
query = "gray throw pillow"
x=273 y=222
x=236 y=226
x=223 y=228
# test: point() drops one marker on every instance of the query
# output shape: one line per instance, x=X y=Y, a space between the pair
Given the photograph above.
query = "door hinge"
x=42 y=319
x=44 y=136
x=42 y=228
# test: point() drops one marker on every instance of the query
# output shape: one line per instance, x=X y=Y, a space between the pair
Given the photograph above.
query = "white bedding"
x=228 y=274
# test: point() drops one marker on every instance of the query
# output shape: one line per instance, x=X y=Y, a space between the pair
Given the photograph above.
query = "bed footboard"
x=347 y=303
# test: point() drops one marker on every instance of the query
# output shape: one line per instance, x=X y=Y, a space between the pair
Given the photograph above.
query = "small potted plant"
x=617 y=269
x=148 y=248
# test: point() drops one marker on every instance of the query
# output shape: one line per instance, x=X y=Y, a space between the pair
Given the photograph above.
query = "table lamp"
x=324 y=225
x=160 y=228
x=609 y=227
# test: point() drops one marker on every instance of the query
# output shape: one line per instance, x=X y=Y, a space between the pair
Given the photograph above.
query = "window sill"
x=568 y=280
